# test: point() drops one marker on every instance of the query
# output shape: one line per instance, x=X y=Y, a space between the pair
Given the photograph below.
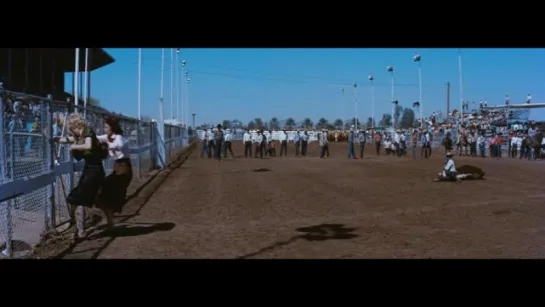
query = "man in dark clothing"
x=258 y=145
x=263 y=145
x=211 y=144
x=351 y=140
x=218 y=142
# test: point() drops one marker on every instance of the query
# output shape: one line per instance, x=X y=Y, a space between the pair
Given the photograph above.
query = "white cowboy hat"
x=449 y=154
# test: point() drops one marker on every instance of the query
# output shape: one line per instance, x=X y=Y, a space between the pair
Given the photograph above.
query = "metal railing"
x=36 y=174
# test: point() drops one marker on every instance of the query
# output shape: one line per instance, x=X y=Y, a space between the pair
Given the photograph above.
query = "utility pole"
x=448 y=102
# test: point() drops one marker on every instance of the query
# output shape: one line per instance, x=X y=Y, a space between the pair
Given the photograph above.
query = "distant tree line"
x=404 y=118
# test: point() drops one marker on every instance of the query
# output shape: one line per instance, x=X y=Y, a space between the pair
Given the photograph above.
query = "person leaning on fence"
x=114 y=189
x=84 y=145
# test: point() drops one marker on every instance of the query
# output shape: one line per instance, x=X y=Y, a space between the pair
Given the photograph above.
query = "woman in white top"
x=114 y=189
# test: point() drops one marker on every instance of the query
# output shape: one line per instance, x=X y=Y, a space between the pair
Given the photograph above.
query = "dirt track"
x=378 y=207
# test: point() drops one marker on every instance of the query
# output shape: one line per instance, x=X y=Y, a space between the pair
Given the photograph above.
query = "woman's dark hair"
x=115 y=127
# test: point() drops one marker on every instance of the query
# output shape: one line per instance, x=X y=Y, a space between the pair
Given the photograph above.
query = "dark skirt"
x=114 y=188
x=89 y=184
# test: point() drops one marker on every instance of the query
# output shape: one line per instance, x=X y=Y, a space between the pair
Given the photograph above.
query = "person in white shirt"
x=449 y=170
x=227 y=145
x=258 y=146
x=397 y=141
x=114 y=188
x=513 y=146
x=204 y=148
x=387 y=145
x=211 y=143
x=481 y=143
x=247 y=141
x=16 y=107
x=402 y=144
x=283 y=138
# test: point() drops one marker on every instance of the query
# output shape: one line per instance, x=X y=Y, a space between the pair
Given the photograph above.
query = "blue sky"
x=235 y=83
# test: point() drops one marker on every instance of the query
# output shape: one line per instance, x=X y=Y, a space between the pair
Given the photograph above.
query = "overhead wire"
x=301 y=80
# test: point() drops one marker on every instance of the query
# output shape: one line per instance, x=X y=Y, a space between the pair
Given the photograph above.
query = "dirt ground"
x=376 y=207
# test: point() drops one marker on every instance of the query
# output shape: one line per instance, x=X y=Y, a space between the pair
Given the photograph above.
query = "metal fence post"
x=139 y=145
x=69 y=109
x=49 y=156
x=5 y=207
x=8 y=222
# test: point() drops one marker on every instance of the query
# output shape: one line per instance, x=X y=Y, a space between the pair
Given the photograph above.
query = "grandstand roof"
x=519 y=106
x=65 y=58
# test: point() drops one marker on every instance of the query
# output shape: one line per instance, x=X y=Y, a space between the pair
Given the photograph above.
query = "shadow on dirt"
x=101 y=240
x=131 y=231
x=259 y=170
x=320 y=232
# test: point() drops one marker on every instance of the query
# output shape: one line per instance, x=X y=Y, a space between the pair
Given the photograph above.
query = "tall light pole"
x=139 y=87
x=461 y=81
x=177 y=85
x=417 y=58
x=85 y=83
x=183 y=91
x=162 y=90
x=186 y=111
x=76 y=78
x=161 y=150
x=416 y=105
x=171 y=84
x=342 y=107
x=372 y=80
x=355 y=93
x=390 y=69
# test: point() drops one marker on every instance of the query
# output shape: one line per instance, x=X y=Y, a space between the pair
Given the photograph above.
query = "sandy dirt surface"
x=376 y=207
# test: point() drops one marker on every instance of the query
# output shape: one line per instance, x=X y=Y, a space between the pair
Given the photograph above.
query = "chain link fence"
x=36 y=174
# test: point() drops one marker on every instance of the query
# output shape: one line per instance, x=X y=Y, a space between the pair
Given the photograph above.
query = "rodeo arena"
x=79 y=181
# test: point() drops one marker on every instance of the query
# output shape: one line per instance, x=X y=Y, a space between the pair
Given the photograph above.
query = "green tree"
x=397 y=115
x=259 y=123
x=386 y=121
x=339 y=123
x=274 y=124
x=407 y=118
x=226 y=124
x=322 y=123
x=290 y=122
x=307 y=123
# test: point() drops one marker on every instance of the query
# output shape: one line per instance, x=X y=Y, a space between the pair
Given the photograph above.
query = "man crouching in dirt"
x=449 y=170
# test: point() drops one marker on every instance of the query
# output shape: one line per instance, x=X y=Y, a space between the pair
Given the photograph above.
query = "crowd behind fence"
x=36 y=174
